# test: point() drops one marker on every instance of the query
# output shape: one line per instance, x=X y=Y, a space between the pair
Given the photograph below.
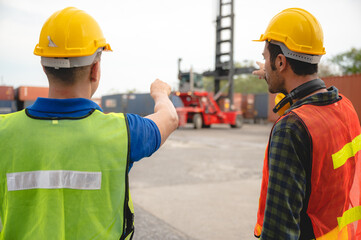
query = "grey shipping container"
x=261 y=105
x=141 y=104
x=137 y=103
x=177 y=101
x=7 y=106
x=112 y=103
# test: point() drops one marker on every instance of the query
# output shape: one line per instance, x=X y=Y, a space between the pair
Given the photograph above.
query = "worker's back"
x=63 y=178
x=335 y=131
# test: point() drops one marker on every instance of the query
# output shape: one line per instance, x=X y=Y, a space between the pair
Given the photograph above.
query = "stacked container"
x=261 y=106
x=272 y=117
x=26 y=96
x=247 y=106
x=137 y=103
x=350 y=86
x=7 y=100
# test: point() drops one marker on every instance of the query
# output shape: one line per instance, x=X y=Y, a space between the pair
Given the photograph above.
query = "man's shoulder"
x=290 y=121
x=11 y=115
x=136 y=121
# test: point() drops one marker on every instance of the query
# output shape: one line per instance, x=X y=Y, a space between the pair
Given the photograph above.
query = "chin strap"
x=300 y=92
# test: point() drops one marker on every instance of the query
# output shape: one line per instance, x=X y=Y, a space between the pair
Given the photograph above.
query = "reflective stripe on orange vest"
x=348 y=151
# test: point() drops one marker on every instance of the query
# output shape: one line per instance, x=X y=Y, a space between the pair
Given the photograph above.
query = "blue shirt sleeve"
x=145 y=137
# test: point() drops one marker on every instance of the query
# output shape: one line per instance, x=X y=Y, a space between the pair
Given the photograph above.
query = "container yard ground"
x=201 y=185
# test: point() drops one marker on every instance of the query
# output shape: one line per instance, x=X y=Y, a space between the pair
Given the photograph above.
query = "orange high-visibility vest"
x=334 y=206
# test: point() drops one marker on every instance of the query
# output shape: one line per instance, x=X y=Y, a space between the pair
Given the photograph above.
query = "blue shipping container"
x=261 y=105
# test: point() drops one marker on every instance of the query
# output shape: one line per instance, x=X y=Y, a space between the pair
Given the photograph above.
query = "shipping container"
x=177 y=101
x=7 y=106
x=224 y=102
x=7 y=93
x=261 y=105
x=272 y=117
x=112 y=103
x=26 y=93
x=350 y=86
x=247 y=106
x=137 y=103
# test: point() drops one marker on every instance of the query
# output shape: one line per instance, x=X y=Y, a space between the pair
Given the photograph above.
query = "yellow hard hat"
x=70 y=33
x=298 y=29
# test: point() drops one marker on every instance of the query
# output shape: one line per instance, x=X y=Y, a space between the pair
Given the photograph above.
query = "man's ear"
x=95 y=71
x=281 y=62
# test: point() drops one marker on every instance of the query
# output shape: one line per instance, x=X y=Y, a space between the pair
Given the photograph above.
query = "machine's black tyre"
x=239 y=122
x=197 y=121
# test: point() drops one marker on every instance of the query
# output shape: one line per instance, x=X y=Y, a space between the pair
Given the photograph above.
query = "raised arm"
x=165 y=115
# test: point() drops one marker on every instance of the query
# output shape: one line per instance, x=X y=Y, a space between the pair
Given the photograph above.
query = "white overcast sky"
x=148 y=36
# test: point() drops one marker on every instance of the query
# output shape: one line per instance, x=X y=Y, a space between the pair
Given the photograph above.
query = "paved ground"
x=201 y=185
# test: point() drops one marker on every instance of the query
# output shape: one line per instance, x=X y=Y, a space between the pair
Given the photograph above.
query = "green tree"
x=349 y=62
x=247 y=83
x=327 y=68
x=208 y=84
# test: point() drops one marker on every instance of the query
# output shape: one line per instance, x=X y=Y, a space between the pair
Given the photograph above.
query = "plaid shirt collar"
x=320 y=99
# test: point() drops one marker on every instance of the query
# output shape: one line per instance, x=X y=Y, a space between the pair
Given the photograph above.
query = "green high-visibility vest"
x=65 y=178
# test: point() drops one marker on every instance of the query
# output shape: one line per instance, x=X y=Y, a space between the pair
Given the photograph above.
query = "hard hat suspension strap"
x=69 y=62
x=313 y=59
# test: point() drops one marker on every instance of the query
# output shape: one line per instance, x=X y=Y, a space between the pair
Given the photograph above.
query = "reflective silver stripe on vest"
x=54 y=179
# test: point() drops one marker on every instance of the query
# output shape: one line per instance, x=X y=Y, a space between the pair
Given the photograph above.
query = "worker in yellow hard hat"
x=311 y=174
x=64 y=163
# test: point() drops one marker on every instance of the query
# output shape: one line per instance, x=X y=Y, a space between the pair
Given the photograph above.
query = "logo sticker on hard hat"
x=51 y=43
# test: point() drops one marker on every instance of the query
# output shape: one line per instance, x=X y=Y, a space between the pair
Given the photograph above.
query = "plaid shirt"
x=289 y=175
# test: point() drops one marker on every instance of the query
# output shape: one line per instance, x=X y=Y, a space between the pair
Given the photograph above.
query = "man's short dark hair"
x=298 y=67
x=66 y=75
